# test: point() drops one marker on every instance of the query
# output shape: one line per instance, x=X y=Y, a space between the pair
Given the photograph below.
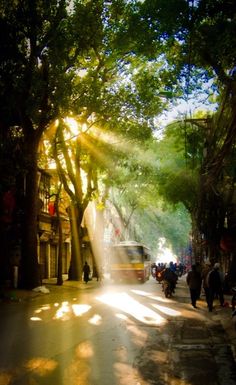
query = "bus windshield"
x=127 y=254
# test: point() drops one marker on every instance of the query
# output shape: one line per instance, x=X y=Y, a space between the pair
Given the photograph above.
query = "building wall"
x=48 y=259
x=48 y=231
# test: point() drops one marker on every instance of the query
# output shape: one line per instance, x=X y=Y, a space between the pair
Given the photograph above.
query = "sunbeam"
x=80 y=309
x=95 y=320
x=167 y=310
x=149 y=295
x=34 y=319
x=63 y=311
x=123 y=145
x=130 y=306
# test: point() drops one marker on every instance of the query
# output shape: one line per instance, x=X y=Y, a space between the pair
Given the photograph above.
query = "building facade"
x=48 y=227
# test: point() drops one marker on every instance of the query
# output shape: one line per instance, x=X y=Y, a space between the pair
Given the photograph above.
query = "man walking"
x=194 y=281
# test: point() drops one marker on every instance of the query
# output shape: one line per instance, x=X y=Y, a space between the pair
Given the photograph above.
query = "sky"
x=183 y=108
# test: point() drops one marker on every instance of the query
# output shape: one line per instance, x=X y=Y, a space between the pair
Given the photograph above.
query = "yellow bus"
x=130 y=261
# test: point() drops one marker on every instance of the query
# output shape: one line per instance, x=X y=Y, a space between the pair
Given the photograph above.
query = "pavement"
x=48 y=286
x=222 y=314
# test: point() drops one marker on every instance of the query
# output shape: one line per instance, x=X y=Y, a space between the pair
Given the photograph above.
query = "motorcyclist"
x=170 y=276
x=154 y=269
x=159 y=272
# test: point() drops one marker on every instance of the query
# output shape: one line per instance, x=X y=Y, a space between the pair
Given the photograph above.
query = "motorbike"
x=167 y=288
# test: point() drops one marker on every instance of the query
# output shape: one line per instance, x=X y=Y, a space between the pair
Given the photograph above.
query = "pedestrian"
x=205 y=285
x=194 y=281
x=86 y=271
x=215 y=283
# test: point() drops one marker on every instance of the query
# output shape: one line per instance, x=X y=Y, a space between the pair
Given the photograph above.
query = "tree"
x=79 y=179
x=37 y=69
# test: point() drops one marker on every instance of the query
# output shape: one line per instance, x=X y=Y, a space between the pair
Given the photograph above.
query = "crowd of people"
x=207 y=279
x=177 y=268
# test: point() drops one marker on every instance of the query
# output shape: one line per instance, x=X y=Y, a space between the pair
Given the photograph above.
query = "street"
x=107 y=334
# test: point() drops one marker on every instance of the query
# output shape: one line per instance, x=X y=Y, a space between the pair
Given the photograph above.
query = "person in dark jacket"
x=169 y=276
x=194 y=281
x=86 y=271
x=215 y=284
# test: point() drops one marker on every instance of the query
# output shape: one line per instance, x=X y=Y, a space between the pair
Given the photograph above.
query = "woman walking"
x=86 y=271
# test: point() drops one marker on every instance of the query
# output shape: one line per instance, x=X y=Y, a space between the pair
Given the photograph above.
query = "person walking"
x=194 y=281
x=86 y=271
x=206 y=270
x=215 y=284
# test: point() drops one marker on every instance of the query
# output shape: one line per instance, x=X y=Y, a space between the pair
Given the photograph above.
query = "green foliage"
x=157 y=222
x=33 y=71
x=142 y=190
x=214 y=34
x=179 y=156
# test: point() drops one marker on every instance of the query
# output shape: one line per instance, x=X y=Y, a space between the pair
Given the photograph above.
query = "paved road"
x=105 y=334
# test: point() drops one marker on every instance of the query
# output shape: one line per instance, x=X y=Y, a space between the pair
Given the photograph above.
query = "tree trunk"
x=30 y=274
x=195 y=240
x=60 y=242
x=75 y=270
x=96 y=239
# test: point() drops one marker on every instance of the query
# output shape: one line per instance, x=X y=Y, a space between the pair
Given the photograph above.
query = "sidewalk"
x=19 y=295
x=220 y=314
